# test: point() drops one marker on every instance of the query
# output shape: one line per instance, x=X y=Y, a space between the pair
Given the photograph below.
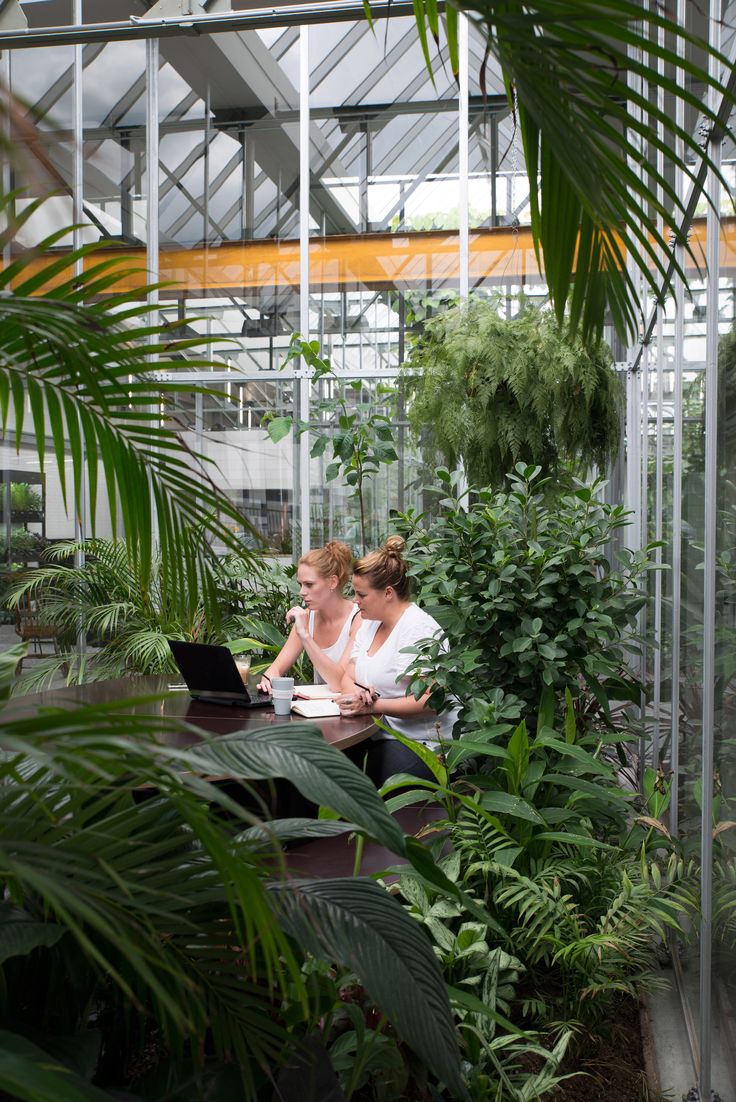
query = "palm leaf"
x=30 y=1074
x=20 y=934
x=301 y=755
x=168 y=906
x=92 y=374
x=574 y=67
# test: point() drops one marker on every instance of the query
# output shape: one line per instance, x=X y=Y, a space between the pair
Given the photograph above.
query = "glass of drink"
x=243 y=664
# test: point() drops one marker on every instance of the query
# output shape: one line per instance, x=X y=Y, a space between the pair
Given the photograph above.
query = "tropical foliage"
x=579 y=880
x=130 y=612
x=83 y=364
x=524 y=587
x=491 y=391
x=594 y=90
x=144 y=923
x=359 y=432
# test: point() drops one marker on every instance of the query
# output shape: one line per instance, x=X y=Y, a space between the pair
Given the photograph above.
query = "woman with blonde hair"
x=375 y=680
x=326 y=626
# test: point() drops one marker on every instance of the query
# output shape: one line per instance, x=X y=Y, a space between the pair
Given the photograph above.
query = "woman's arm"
x=347 y=683
x=330 y=670
x=283 y=661
x=357 y=702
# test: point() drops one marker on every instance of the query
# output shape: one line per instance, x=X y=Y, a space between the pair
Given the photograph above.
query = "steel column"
x=713 y=190
x=303 y=382
x=463 y=157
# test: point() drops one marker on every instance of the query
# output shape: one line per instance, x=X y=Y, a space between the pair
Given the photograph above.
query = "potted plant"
x=26 y=503
x=491 y=391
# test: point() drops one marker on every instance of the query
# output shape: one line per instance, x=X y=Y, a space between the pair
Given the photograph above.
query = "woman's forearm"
x=286 y=657
x=331 y=671
x=401 y=706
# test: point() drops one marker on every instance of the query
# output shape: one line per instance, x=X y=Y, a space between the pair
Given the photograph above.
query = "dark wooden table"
x=215 y=719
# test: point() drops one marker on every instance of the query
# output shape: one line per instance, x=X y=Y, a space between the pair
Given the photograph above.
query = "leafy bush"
x=492 y=391
x=25 y=546
x=572 y=881
x=130 y=609
x=156 y=935
x=528 y=598
x=24 y=499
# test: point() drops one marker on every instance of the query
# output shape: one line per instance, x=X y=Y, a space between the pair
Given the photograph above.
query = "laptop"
x=210 y=674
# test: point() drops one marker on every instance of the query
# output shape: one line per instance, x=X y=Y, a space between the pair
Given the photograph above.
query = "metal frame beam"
x=255 y=19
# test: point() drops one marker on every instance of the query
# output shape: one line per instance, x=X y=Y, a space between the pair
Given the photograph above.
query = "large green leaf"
x=20 y=934
x=301 y=755
x=504 y=803
x=288 y=830
x=29 y=1073
x=593 y=87
x=99 y=380
x=357 y=923
x=151 y=892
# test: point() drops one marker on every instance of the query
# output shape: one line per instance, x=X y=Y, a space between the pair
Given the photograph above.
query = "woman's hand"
x=357 y=703
x=300 y=618
x=264 y=685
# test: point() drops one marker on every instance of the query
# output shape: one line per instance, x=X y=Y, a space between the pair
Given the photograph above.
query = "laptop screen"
x=209 y=671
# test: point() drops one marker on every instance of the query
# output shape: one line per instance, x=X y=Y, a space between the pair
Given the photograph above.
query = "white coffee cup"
x=282 y=694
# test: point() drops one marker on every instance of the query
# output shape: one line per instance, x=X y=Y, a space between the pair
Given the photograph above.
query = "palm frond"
x=100 y=381
x=583 y=80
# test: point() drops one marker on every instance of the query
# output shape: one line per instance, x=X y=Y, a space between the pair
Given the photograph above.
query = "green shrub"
x=130 y=609
x=527 y=595
x=149 y=939
x=570 y=881
x=24 y=499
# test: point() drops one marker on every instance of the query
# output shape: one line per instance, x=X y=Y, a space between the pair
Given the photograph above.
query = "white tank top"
x=336 y=651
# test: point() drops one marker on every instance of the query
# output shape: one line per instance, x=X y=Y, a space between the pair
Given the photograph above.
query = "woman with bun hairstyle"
x=326 y=626
x=375 y=680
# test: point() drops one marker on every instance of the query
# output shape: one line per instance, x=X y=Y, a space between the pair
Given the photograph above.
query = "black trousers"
x=381 y=758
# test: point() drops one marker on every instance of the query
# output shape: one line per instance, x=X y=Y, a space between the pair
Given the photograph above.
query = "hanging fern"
x=491 y=392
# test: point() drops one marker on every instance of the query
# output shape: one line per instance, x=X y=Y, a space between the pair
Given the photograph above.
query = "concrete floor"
x=674 y=1068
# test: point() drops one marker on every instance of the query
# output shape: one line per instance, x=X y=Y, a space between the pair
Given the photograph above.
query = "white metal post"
x=80 y=504
x=658 y=452
x=152 y=196
x=676 y=580
x=463 y=122
x=303 y=383
x=463 y=158
x=713 y=223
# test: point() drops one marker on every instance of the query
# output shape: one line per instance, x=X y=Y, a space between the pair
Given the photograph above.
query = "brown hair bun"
x=394 y=545
x=386 y=567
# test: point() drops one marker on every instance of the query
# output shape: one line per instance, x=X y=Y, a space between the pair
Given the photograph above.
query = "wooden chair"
x=32 y=629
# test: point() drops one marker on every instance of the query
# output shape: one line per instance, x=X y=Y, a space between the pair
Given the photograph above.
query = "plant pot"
x=26 y=516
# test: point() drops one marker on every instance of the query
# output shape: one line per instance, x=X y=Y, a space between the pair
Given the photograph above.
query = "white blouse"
x=386 y=671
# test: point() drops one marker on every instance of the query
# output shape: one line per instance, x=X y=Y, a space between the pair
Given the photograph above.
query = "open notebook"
x=314 y=692
x=314 y=709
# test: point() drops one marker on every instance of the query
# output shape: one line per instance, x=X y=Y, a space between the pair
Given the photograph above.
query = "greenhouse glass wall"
x=280 y=175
